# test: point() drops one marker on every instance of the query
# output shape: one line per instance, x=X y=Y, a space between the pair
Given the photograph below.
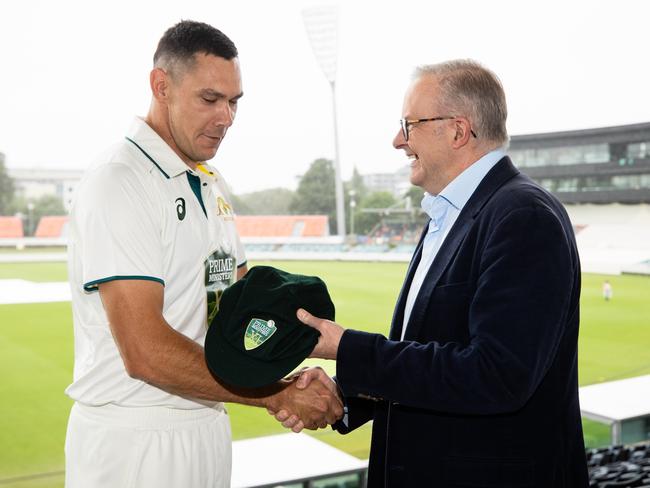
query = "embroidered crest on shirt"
x=224 y=209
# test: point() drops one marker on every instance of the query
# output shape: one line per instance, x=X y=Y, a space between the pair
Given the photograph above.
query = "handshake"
x=317 y=400
x=308 y=399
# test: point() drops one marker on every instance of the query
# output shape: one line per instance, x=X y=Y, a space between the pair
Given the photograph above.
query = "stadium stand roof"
x=11 y=227
x=53 y=226
x=282 y=225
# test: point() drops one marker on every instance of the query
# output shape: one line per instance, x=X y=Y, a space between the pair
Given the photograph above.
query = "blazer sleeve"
x=517 y=316
x=358 y=412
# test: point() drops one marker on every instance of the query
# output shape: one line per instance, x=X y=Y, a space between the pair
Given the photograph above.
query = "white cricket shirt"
x=141 y=213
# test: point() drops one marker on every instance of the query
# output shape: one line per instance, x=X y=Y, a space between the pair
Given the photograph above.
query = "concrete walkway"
x=23 y=291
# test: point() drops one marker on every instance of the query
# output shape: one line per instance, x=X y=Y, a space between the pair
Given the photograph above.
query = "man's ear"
x=159 y=82
x=463 y=132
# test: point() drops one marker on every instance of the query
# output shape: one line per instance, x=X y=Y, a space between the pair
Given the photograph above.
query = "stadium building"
x=33 y=183
x=604 y=165
x=602 y=176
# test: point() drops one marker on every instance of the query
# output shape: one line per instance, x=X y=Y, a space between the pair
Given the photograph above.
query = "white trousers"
x=157 y=447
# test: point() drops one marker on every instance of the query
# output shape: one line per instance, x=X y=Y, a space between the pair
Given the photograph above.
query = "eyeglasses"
x=406 y=123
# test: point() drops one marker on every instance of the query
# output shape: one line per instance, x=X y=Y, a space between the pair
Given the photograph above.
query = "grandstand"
x=56 y=226
x=11 y=228
x=612 y=238
x=300 y=237
x=282 y=225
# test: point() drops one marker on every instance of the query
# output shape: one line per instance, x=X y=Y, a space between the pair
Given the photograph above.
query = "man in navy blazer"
x=477 y=383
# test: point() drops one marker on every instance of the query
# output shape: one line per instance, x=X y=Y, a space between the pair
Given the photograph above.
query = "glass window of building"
x=549 y=184
x=565 y=155
x=645 y=181
x=632 y=182
x=638 y=150
x=567 y=184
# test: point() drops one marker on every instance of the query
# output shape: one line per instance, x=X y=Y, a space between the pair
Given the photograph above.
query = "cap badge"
x=258 y=332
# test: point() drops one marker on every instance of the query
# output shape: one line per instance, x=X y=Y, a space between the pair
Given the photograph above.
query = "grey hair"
x=469 y=89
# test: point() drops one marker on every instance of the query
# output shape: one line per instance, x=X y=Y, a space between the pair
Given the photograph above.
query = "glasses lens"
x=405 y=129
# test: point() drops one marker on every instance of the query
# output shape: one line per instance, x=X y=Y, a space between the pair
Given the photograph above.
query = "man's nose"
x=399 y=141
x=225 y=114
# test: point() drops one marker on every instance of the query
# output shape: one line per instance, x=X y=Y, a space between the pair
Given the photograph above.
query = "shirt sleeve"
x=240 y=252
x=119 y=228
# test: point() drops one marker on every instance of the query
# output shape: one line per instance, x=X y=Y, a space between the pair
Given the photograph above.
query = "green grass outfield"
x=36 y=357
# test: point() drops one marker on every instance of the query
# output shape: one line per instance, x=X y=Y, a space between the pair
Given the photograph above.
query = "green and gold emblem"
x=258 y=332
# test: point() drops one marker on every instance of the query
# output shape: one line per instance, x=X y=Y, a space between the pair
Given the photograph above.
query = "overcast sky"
x=74 y=73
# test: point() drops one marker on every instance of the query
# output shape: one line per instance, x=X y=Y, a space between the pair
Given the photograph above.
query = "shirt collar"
x=463 y=186
x=435 y=206
x=148 y=140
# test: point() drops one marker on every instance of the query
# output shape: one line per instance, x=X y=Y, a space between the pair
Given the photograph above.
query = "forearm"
x=154 y=352
x=176 y=364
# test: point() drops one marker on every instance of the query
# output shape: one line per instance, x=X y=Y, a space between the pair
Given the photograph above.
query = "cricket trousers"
x=147 y=447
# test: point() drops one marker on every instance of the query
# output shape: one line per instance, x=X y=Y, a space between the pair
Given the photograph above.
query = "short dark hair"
x=179 y=44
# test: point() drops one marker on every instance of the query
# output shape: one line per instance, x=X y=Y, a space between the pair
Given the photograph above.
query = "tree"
x=7 y=188
x=239 y=205
x=353 y=190
x=378 y=201
x=416 y=194
x=355 y=185
x=274 y=201
x=32 y=210
x=315 y=194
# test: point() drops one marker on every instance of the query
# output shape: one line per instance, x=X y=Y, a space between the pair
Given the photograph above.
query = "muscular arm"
x=154 y=352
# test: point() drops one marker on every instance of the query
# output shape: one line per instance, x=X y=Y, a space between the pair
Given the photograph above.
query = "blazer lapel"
x=398 y=313
x=496 y=177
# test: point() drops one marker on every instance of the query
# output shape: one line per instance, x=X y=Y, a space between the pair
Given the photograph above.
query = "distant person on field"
x=607 y=291
x=477 y=382
x=150 y=219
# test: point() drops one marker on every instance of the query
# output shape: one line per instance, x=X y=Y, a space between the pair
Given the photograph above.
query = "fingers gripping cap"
x=256 y=339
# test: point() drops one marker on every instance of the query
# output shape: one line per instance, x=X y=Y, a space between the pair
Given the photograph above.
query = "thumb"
x=306 y=318
x=307 y=376
x=305 y=379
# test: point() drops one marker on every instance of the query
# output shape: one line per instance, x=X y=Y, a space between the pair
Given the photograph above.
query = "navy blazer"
x=483 y=390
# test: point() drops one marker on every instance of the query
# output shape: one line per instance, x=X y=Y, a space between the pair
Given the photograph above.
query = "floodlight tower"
x=321 y=23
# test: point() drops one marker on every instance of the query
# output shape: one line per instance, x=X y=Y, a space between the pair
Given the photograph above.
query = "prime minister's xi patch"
x=258 y=332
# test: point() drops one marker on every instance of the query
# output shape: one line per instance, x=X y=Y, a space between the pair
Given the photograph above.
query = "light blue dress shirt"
x=443 y=210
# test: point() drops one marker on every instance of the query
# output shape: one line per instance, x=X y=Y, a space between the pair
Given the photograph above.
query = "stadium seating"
x=611 y=237
x=261 y=247
x=55 y=226
x=619 y=466
x=370 y=248
x=404 y=248
x=311 y=247
x=11 y=227
x=282 y=225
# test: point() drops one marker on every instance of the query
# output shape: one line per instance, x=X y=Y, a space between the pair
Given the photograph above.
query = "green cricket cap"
x=255 y=338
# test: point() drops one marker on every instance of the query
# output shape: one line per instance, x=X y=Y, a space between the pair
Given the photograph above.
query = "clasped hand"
x=310 y=400
x=316 y=398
